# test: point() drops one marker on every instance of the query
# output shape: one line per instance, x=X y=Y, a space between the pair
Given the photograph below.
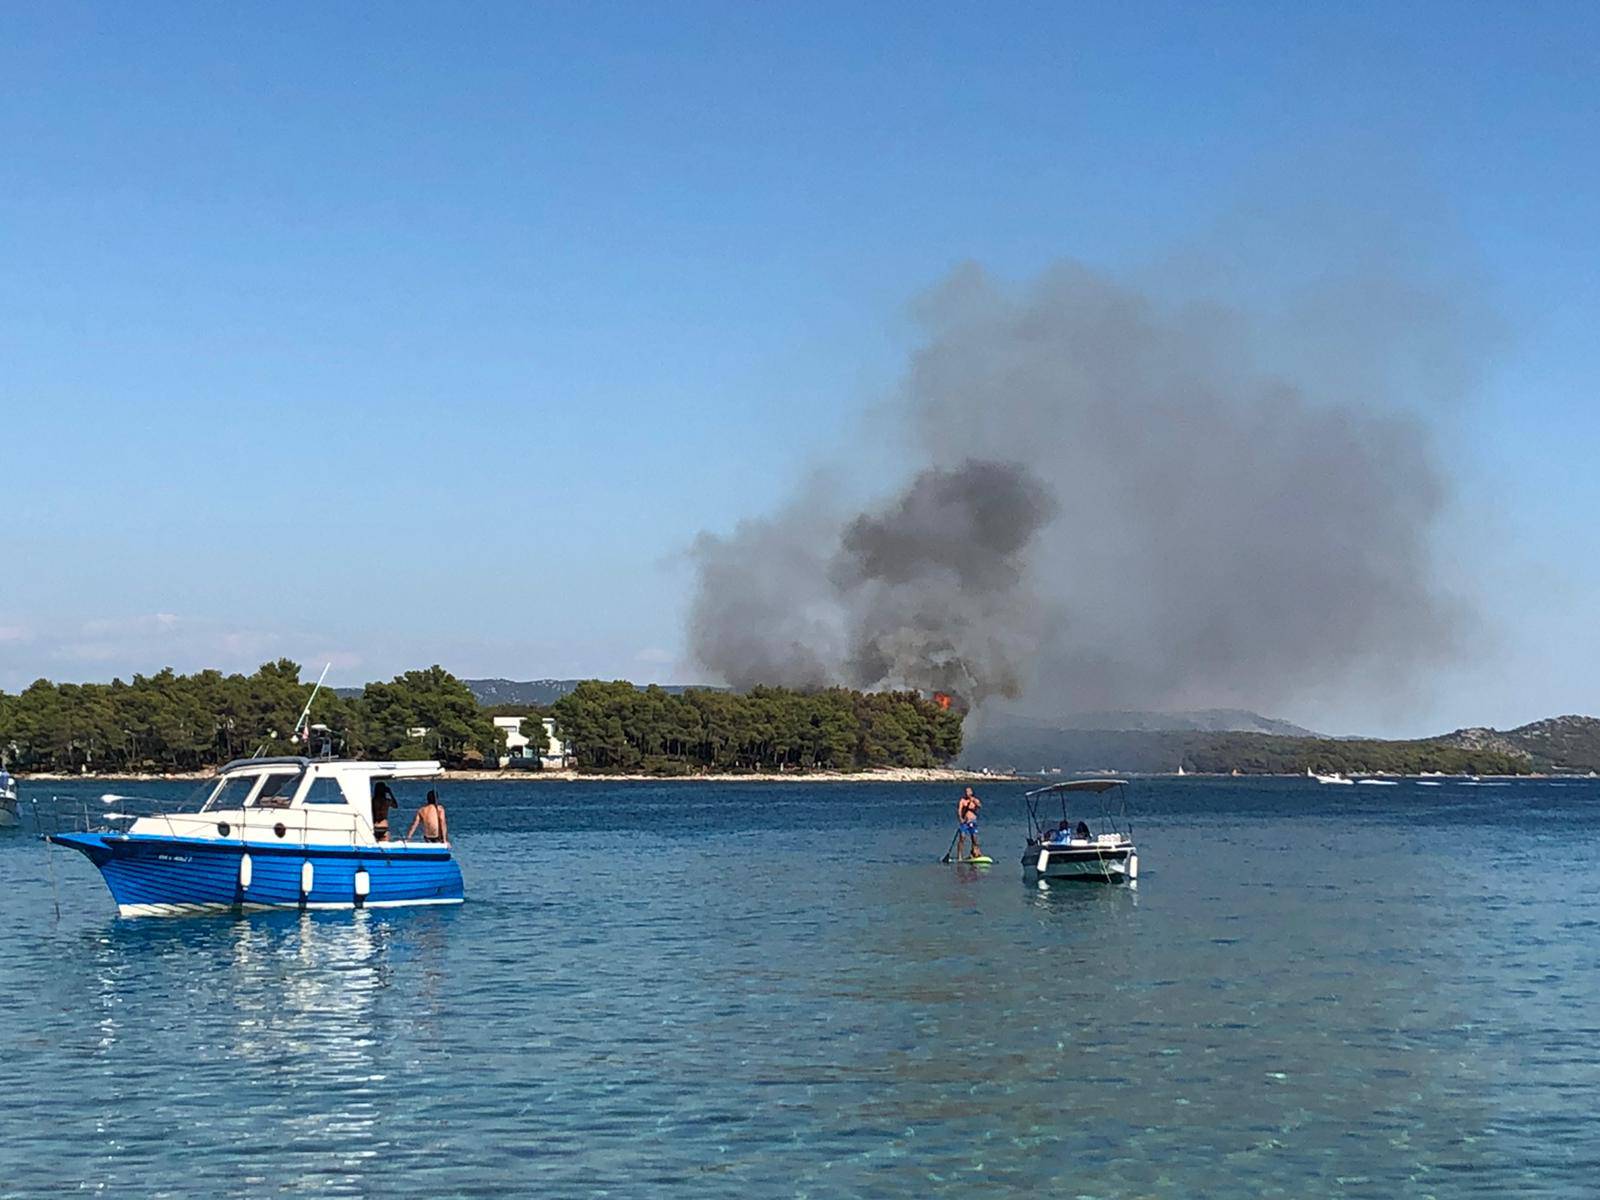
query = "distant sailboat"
x=1181 y=771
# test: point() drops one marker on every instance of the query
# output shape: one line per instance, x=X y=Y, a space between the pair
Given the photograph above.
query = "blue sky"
x=411 y=333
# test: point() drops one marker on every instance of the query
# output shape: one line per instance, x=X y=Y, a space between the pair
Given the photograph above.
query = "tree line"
x=616 y=726
x=171 y=722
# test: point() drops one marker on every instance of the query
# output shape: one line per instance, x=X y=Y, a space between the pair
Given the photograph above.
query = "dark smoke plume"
x=1112 y=502
x=934 y=584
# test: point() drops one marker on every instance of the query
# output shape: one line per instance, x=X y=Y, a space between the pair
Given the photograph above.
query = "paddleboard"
x=983 y=860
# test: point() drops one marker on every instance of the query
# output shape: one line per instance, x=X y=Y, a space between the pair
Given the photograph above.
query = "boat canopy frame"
x=354 y=778
x=1113 y=796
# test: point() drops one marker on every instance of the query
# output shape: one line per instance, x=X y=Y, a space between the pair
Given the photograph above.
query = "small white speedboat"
x=8 y=801
x=1335 y=777
x=1071 y=853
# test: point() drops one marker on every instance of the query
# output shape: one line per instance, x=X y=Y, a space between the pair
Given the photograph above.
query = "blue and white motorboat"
x=8 y=800
x=1064 y=852
x=274 y=833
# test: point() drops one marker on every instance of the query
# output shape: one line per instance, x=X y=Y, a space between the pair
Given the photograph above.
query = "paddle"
x=952 y=849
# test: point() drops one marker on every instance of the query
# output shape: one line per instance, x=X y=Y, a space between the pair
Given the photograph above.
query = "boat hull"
x=161 y=876
x=1082 y=864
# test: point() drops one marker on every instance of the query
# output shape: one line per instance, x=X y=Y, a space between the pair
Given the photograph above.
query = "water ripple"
x=748 y=991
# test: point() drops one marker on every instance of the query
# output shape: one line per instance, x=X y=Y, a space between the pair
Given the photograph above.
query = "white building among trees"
x=521 y=751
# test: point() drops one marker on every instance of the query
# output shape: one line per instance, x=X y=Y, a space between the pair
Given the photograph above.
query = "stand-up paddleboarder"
x=967 y=823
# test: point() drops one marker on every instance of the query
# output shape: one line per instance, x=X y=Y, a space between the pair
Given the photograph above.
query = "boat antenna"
x=300 y=724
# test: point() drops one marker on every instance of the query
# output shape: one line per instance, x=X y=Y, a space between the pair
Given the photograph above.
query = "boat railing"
x=44 y=815
x=112 y=813
x=108 y=813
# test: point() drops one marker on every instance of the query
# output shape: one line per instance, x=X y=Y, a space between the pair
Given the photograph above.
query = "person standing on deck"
x=435 y=828
x=383 y=803
x=967 y=822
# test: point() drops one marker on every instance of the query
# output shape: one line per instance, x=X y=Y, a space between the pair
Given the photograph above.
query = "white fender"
x=246 y=872
x=1044 y=859
x=1133 y=867
x=363 y=883
x=306 y=877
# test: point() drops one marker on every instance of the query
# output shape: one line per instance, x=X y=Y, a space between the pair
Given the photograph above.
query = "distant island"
x=1568 y=744
x=168 y=723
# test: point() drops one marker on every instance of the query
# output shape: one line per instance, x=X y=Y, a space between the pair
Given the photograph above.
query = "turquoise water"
x=776 y=990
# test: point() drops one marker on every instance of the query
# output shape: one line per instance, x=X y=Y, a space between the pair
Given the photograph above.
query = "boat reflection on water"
x=1097 y=904
x=271 y=1002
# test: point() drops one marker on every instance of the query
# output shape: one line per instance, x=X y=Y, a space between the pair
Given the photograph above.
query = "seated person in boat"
x=435 y=828
x=1064 y=833
x=383 y=803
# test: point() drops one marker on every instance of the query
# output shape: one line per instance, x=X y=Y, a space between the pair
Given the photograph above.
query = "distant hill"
x=509 y=691
x=1223 y=740
x=492 y=692
x=1200 y=720
x=1569 y=743
x=1141 y=752
x=1122 y=740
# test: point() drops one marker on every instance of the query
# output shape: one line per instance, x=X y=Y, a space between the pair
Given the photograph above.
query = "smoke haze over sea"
x=1118 y=496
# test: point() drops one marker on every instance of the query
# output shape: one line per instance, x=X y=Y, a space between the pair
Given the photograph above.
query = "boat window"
x=232 y=792
x=195 y=801
x=277 y=790
x=324 y=790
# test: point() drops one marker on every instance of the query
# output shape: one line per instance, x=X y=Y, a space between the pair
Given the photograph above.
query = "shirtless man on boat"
x=435 y=828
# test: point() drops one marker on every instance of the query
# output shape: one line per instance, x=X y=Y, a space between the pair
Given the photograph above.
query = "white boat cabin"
x=295 y=800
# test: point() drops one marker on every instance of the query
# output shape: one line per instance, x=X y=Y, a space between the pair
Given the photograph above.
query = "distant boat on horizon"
x=1333 y=778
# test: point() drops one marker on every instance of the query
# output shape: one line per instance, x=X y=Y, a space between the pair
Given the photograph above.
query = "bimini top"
x=1080 y=785
x=406 y=769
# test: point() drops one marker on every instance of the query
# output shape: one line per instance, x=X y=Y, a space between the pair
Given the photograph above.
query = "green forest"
x=619 y=727
x=170 y=722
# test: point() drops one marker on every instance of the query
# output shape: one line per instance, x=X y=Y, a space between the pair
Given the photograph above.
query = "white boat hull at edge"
x=1083 y=864
x=181 y=910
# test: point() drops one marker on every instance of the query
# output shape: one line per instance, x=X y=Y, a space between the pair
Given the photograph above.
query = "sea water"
x=777 y=990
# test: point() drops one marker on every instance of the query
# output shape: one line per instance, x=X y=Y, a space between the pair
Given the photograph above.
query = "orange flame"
x=942 y=699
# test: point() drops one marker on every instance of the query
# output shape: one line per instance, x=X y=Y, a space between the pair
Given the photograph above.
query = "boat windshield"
x=231 y=793
x=277 y=790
